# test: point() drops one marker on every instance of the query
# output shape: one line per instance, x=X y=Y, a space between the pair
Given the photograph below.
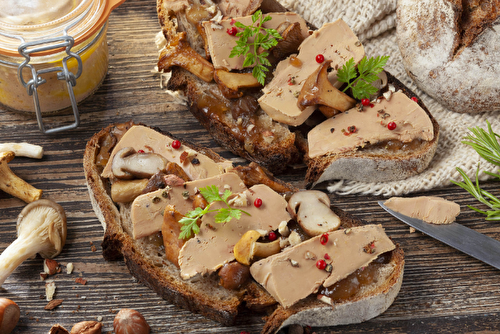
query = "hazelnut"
x=87 y=327
x=129 y=321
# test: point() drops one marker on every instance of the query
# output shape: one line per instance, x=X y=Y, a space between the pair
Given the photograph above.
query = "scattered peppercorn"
x=391 y=125
x=320 y=58
x=176 y=144
x=232 y=31
x=365 y=102
x=140 y=151
x=321 y=264
x=257 y=203
x=352 y=129
x=272 y=236
x=327 y=257
x=324 y=239
x=414 y=99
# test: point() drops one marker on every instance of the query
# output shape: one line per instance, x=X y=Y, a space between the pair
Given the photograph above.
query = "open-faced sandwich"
x=215 y=239
x=273 y=90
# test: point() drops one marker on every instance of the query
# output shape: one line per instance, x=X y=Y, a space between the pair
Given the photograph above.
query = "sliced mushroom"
x=171 y=230
x=253 y=174
x=318 y=90
x=41 y=228
x=14 y=185
x=178 y=52
x=125 y=191
x=292 y=38
x=247 y=248
x=127 y=164
x=231 y=83
x=311 y=209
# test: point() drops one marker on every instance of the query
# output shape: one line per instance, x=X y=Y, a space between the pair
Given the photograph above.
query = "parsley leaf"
x=263 y=38
x=224 y=215
x=359 y=80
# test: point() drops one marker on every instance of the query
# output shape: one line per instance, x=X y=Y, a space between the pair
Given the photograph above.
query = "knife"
x=464 y=239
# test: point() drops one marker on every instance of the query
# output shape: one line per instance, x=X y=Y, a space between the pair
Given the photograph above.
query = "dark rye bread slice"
x=228 y=121
x=146 y=261
x=375 y=163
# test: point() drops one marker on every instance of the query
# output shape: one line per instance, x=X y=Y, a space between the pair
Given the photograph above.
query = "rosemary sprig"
x=224 y=214
x=487 y=146
x=250 y=49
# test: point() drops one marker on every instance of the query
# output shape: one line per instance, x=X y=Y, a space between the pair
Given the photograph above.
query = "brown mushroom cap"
x=311 y=209
x=47 y=220
x=318 y=90
x=127 y=164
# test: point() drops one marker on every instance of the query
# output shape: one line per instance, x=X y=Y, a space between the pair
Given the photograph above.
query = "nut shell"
x=87 y=327
x=129 y=321
x=9 y=315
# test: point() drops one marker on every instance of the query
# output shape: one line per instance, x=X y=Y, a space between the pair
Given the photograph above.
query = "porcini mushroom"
x=311 y=209
x=9 y=315
x=248 y=247
x=41 y=228
x=178 y=52
x=23 y=150
x=292 y=38
x=14 y=185
x=127 y=164
x=318 y=90
x=231 y=83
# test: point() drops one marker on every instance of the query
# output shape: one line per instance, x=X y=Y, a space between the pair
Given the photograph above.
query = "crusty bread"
x=374 y=163
x=146 y=261
x=450 y=49
x=221 y=117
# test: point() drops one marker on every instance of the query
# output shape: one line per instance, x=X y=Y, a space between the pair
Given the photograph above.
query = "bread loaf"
x=450 y=49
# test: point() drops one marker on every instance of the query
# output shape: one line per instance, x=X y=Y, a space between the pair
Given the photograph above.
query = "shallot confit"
x=41 y=229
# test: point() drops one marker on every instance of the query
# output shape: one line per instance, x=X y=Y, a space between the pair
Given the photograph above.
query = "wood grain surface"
x=444 y=291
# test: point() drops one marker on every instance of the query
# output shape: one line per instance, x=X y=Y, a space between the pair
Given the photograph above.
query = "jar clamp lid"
x=56 y=35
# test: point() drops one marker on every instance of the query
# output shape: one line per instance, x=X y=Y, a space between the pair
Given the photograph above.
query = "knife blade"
x=460 y=237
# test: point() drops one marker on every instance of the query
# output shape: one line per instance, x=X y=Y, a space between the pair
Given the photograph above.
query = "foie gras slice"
x=143 y=138
x=147 y=210
x=431 y=209
x=336 y=42
x=213 y=246
x=220 y=43
x=335 y=135
x=292 y=275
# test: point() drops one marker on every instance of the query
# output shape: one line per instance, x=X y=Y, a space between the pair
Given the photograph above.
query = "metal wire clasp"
x=63 y=73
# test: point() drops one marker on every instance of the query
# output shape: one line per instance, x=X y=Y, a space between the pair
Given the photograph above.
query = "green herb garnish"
x=224 y=215
x=359 y=80
x=250 y=49
x=486 y=145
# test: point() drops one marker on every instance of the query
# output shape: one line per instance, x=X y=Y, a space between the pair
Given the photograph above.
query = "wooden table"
x=443 y=290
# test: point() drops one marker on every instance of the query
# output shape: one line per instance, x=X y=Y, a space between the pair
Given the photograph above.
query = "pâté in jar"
x=53 y=54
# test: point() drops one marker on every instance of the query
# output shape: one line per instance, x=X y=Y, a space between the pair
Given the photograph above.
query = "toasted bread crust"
x=199 y=296
x=375 y=166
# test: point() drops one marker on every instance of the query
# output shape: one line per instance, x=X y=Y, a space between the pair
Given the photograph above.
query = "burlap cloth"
x=374 y=22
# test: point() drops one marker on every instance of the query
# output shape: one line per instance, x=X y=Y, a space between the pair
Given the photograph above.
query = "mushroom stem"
x=13 y=184
x=14 y=255
x=41 y=228
x=23 y=150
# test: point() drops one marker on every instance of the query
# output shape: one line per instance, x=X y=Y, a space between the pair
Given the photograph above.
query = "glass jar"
x=53 y=54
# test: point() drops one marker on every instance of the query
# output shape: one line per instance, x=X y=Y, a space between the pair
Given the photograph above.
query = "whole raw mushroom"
x=41 y=229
